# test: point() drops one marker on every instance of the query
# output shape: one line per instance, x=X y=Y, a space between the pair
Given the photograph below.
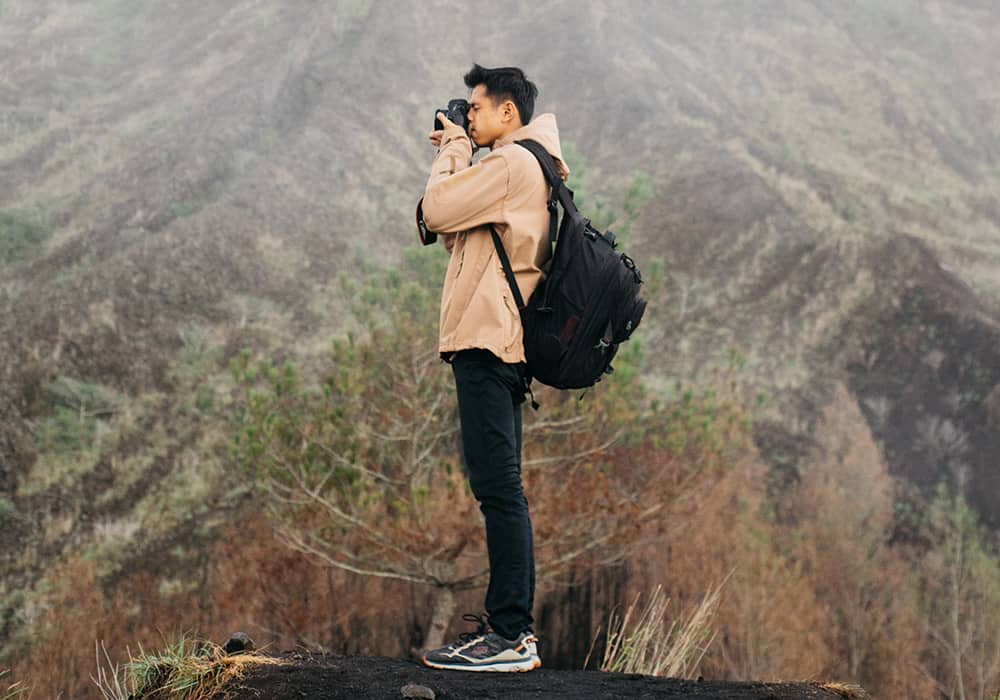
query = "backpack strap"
x=507 y=269
x=548 y=163
x=548 y=171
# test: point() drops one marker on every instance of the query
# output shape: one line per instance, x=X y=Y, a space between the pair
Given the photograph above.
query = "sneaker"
x=485 y=650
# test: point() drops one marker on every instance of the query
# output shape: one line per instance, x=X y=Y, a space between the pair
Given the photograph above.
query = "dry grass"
x=186 y=670
x=652 y=647
x=12 y=691
x=846 y=691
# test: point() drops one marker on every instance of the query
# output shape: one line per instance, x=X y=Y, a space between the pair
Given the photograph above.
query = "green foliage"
x=357 y=460
x=187 y=669
x=20 y=238
x=6 y=507
x=89 y=399
x=956 y=527
x=700 y=419
x=654 y=276
x=602 y=214
x=177 y=669
x=342 y=434
x=183 y=209
x=205 y=399
x=76 y=408
x=66 y=431
x=962 y=596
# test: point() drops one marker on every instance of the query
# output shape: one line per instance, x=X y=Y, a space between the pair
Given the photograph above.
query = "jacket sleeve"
x=459 y=196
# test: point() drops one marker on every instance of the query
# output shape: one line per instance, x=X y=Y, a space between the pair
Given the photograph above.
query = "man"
x=481 y=336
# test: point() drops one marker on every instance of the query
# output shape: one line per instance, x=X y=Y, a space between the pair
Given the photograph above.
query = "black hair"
x=505 y=84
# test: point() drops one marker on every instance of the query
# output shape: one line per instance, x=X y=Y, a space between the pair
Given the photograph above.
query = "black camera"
x=457 y=113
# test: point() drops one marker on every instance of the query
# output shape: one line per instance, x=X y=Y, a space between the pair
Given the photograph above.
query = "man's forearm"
x=454 y=154
x=468 y=198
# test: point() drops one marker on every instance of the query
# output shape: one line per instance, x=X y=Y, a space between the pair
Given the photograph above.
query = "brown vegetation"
x=814 y=588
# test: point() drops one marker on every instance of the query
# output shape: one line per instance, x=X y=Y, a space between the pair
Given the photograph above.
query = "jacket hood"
x=542 y=129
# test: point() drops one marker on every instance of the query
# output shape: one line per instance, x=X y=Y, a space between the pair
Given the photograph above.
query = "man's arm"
x=459 y=197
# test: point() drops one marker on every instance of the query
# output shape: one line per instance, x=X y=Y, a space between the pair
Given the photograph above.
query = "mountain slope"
x=181 y=180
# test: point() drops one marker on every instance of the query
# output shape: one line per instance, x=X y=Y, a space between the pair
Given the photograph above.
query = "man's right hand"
x=436 y=136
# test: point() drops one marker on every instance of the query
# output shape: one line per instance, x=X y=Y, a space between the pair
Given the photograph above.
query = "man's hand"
x=435 y=136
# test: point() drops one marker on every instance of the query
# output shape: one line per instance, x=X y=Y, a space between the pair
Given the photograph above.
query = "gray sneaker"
x=485 y=650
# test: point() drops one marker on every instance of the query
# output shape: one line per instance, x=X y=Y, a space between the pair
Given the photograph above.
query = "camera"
x=457 y=113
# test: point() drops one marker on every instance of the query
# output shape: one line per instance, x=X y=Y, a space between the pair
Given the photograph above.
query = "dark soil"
x=317 y=677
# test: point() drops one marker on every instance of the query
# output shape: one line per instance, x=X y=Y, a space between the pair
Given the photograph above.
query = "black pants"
x=490 y=394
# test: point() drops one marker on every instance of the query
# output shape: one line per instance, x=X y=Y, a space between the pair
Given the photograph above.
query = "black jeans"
x=490 y=394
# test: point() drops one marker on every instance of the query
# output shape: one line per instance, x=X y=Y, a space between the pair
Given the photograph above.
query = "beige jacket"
x=505 y=187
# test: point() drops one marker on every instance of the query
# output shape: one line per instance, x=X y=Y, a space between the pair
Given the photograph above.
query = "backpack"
x=588 y=303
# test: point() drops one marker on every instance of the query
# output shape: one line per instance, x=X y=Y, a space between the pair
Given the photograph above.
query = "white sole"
x=517 y=667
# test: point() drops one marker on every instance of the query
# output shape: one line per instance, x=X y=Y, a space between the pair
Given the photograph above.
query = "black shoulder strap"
x=548 y=163
x=507 y=269
x=518 y=299
x=559 y=191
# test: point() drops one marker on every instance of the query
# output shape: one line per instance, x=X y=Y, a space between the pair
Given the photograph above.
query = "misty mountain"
x=182 y=176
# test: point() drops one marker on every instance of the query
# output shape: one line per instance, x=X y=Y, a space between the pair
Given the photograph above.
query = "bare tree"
x=962 y=590
x=362 y=470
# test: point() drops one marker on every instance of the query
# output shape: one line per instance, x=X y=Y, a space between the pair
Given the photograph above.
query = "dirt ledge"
x=319 y=677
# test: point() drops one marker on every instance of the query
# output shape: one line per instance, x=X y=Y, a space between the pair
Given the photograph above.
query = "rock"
x=412 y=690
x=238 y=642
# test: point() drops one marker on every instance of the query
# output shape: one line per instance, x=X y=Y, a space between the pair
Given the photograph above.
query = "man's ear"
x=509 y=111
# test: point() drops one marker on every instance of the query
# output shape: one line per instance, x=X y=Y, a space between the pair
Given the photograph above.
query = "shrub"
x=188 y=669
x=76 y=406
x=6 y=507
x=19 y=238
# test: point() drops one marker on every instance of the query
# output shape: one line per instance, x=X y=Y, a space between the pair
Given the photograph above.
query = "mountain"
x=180 y=180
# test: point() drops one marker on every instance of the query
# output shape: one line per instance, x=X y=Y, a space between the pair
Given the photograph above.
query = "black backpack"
x=588 y=302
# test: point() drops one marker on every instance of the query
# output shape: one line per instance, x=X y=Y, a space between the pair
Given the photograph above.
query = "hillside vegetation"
x=810 y=188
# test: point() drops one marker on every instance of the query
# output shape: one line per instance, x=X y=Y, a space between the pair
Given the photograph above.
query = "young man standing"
x=481 y=336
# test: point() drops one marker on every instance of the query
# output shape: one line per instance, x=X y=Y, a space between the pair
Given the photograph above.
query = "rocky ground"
x=319 y=677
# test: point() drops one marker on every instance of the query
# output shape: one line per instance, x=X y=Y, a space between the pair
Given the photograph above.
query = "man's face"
x=489 y=121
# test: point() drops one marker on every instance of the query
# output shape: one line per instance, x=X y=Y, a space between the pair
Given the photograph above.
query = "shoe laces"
x=482 y=627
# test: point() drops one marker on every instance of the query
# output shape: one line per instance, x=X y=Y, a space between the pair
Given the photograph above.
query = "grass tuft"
x=12 y=691
x=847 y=691
x=188 y=669
x=643 y=642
